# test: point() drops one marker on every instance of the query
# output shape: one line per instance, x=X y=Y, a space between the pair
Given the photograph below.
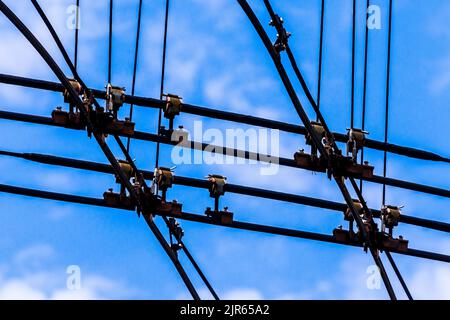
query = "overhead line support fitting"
x=282 y=35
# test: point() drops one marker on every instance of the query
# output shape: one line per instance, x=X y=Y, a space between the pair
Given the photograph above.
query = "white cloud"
x=431 y=282
x=243 y=294
x=17 y=289
x=24 y=278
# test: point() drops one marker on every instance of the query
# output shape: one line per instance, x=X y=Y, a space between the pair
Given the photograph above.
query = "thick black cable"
x=206 y=147
x=136 y=54
x=230 y=116
x=399 y=275
x=229 y=187
x=207 y=220
x=364 y=102
x=388 y=82
x=110 y=37
x=352 y=108
x=98 y=136
x=163 y=73
x=319 y=77
x=77 y=27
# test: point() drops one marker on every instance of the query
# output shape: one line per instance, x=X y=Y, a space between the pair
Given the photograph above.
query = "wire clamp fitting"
x=320 y=132
x=176 y=232
x=172 y=108
x=115 y=98
x=390 y=217
x=355 y=143
x=78 y=89
x=282 y=35
x=224 y=217
x=216 y=188
x=163 y=180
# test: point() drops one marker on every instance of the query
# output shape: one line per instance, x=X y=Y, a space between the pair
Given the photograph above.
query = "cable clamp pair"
x=282 y=35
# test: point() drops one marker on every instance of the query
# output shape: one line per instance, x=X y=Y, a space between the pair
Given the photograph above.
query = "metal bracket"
x=222 y=217
x=118 y=200
x=163 y=180
x=115 y=97
x=176 y=231
x=390 y=216
x=355 y=143
x=282 y=38
x=319 y=130
x=172 y=108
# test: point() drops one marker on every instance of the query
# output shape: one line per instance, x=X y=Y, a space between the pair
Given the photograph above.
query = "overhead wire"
x=135 y=63
x=163 y=73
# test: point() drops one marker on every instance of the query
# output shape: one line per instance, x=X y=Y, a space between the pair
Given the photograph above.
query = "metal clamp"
x=163 y=180
x=355 y=143
x=78 y=89
x=76 y=86
x=216 y=188
x=115 y=97
x=126 y=168
x=319 y=130
x=173 y=105
x=282 y=38
x=390 y=216
x=222 y=217
x=359 y=210
x=177 y=232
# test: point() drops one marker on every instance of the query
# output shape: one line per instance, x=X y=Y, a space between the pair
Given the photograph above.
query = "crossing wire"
x=163 y=72
x=136 y=53
x=319 y=77
x=364 y=101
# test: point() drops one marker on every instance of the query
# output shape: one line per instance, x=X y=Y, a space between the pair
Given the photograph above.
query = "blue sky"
x=216 y=59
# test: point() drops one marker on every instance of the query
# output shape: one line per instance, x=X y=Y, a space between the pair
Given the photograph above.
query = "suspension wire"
x=161 y=93
x=136 y=52
x=388 y=81
x=319 y=84
x=110 y=39
x=386 y=127
x=77 y=26
x=163 y=73
x=366 y=52
x=352 y=111
x=399 y=275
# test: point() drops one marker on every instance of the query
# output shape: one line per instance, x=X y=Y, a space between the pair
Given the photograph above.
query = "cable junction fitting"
x=216 y=190
x=356 y=141
x=172 y=108
x=282 y=35
x=162 y=181
x=115 y=98
x=176 y=232
x=103 y=121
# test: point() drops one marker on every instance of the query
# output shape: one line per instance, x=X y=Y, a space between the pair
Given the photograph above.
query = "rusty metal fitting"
x=217 y=185
x=164 y=178
x=115 y=97
x=173 y=106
